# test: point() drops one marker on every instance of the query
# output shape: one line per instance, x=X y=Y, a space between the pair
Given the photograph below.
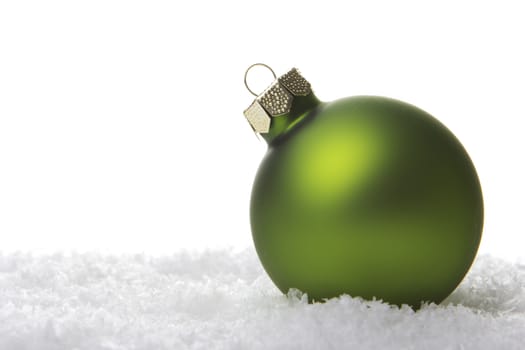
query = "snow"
x=222 y=299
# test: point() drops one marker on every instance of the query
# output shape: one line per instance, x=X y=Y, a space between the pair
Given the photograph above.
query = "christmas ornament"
x=366 y=196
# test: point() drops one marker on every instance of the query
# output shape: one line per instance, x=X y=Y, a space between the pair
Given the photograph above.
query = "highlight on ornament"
x=366 y=196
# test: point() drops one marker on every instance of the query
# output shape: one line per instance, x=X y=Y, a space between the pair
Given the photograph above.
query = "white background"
x=121 y=126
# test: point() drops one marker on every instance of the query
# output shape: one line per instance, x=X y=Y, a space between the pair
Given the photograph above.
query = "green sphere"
x=371 y=197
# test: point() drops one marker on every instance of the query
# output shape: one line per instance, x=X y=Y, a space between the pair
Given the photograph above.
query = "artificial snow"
x=224 y=300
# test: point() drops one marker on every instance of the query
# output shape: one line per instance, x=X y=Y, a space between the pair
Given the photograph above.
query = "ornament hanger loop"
x=246 y=75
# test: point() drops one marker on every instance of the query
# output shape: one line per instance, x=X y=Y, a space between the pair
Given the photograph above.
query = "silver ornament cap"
x=276 y=100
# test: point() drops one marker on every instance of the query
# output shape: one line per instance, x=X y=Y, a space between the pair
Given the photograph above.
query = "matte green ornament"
x=366 y=196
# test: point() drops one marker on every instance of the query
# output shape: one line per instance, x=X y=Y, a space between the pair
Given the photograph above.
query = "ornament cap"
x=276 y=100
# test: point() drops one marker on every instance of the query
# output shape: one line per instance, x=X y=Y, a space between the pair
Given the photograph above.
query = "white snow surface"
x=222 y=299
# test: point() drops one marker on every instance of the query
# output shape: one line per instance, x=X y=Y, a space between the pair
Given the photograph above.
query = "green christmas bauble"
x=366 y=196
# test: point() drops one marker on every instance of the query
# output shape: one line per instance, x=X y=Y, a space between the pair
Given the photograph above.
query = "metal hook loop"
x=246 y=75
